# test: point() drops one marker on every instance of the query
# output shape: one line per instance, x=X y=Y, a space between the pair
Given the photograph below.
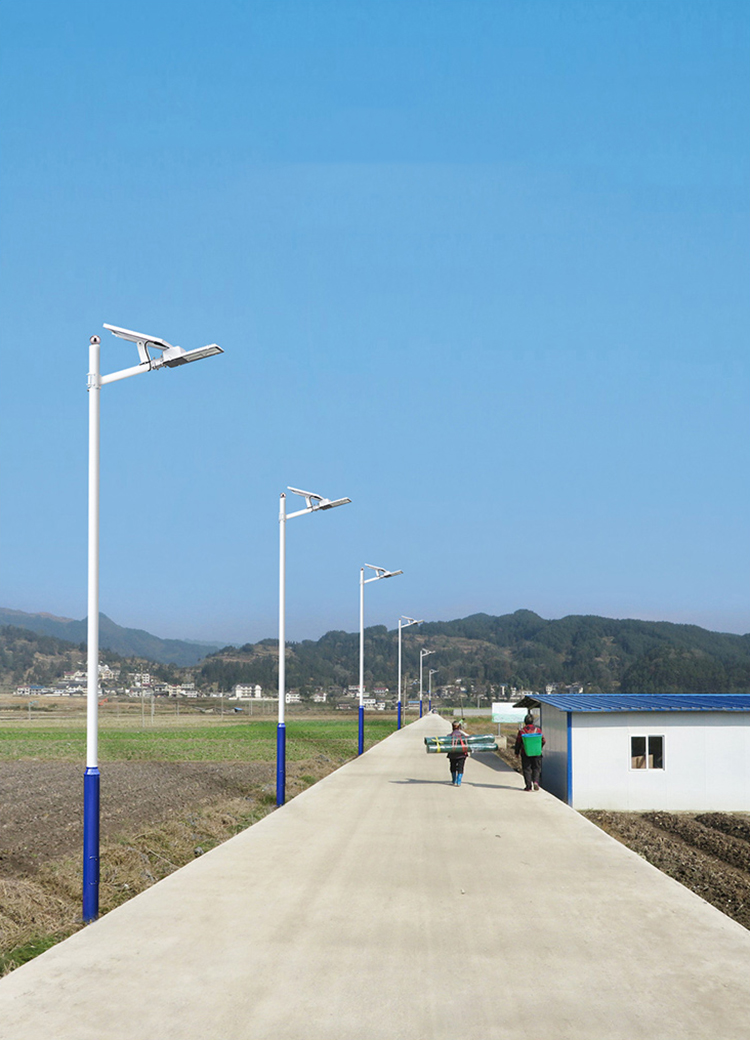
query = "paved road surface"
x=385 y=904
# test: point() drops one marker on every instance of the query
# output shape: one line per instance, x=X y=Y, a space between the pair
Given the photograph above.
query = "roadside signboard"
x=503 y=711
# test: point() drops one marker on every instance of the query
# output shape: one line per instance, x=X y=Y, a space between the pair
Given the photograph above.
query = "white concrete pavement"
x=385 y=904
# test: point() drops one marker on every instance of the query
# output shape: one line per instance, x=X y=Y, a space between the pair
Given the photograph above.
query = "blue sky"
x=480 y=266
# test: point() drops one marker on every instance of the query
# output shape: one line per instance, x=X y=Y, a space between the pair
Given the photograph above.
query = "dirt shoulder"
x=41 y=802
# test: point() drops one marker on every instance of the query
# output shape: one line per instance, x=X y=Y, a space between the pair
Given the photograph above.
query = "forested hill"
x=520 y=649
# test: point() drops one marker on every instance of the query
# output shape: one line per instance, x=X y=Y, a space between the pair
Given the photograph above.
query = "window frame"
x=647 y=737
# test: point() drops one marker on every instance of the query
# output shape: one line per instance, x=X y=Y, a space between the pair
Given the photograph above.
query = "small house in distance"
x=646 y=751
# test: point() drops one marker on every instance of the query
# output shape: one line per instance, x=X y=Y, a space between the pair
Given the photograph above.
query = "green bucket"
x=532 y=744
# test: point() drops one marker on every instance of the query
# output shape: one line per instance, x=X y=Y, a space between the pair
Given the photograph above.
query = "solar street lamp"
x=169 y=356
x=422 y=654
x=403 y=622
x=313 y=503
x=380 y=572
x=429 y=687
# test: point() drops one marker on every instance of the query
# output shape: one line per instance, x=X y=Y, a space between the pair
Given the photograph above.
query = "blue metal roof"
x=641 y=701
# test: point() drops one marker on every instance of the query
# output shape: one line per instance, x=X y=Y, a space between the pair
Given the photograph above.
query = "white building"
x=246 y=691
x=638 y=752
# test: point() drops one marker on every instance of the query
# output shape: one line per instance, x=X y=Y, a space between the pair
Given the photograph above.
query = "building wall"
x=554 y=725
x=706 y=761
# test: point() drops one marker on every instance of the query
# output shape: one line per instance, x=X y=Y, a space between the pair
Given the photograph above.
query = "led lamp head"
x=171 y=356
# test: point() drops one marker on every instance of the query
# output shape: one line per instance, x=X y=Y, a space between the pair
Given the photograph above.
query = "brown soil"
x=41 y=815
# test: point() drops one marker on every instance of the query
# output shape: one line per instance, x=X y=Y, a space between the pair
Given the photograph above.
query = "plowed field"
x=709 y=853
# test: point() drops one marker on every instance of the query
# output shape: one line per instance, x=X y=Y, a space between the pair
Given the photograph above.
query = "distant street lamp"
x=403 y=622
x=380 y=572
x=314 y=503
x=429 y=687
x=170 y=357
x=422 y=655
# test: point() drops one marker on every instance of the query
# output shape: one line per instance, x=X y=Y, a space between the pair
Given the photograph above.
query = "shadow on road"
x=466 y=783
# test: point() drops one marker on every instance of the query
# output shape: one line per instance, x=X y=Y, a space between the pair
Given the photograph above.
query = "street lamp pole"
x=313 y=503
x=429 y=687
x=380 y=572
x=281 y=727
x=403 y=622
x=91 y=777
x=171 y=356
x=422 y=654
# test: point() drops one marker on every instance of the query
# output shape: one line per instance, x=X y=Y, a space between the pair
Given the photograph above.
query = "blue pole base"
x=90 y=844
x=420 y=709
x=399 y=716
x=281 y=764
x=361 y=741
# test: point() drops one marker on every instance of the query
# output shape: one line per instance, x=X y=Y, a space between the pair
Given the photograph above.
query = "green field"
x=209 y=740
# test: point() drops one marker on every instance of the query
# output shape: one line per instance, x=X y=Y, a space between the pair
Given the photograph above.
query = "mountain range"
x=480 y=652
x=128 y=642
x=520 y=650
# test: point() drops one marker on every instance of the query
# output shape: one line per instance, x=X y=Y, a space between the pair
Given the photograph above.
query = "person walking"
x=529 y=743
x=458 y=753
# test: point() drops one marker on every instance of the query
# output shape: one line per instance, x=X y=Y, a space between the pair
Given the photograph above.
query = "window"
x=647 y=752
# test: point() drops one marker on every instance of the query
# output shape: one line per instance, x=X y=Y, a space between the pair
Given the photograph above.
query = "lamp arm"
x=125 y=373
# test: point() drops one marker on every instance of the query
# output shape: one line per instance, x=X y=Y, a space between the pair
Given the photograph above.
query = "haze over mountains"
x=128 y=642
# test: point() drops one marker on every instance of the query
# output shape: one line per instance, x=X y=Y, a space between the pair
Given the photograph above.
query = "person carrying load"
x=529 y=743
x=459 y=749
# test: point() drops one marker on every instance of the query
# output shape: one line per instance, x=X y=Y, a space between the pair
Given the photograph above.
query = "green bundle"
x=445 y=745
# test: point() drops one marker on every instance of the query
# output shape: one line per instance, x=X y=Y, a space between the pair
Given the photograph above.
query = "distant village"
x=140 y=684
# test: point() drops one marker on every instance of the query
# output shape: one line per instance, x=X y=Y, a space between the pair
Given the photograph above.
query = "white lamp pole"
x=403 y=622
x=429 y=687
x=380 y=572
x=314 y=503
x=171 y=356
x=422 y=655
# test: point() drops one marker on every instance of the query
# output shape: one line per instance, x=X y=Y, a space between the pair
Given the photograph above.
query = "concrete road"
x=385 y=904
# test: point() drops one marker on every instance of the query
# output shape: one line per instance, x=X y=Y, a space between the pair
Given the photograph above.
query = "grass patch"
x=202 y=741
x=27 y=952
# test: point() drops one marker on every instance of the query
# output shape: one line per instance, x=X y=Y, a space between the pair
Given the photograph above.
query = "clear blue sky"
x=481 y=266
